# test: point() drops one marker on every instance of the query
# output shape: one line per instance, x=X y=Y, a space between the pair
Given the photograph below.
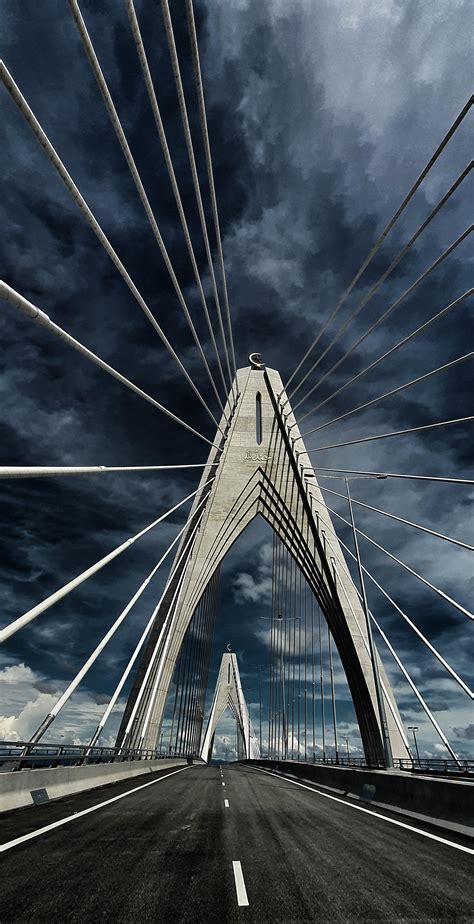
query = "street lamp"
x=414 y=729
x=279 y=617
x=283 y=714
x=259 y=668
x=347 y=746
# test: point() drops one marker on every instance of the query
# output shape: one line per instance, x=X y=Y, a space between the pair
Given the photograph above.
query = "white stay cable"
x=406 y=675
x=141 y=641
x=121 y=137
x=350 y=471
x=383 y=436
x=45 y=471
x=403 y=564
x=210 y=171
x=167 y=627
x=386 y=696
x=385 y=232
x=27 y=617
x=40 y=317
x=174 y=184
x=423 y=638
x=388 y=311
x=393 y=391
x=97 y=651
x=415 y=689
x=192 y=161
x=152 y=662
x=43 y=139
x=392 y=516
x=362 y=304
x=404 y=616
x=419 y=330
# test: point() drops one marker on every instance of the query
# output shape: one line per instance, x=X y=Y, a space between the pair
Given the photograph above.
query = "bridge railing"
x=431 y=765
x=435 y=765
x=21 y=755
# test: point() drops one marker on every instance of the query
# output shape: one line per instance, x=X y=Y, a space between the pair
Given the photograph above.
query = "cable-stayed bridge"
x=272 y=834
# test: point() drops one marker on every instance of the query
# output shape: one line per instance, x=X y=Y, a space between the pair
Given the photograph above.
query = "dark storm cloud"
x=467 y=733
x=320 y=117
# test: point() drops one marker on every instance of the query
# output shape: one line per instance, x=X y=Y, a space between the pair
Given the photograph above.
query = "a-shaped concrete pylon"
x=229 y=695
x=263 y=469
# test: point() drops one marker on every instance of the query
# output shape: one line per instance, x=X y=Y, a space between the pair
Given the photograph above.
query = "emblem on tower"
x=255 y=360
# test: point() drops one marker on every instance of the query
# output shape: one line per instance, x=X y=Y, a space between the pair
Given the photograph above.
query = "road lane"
x=20 y=839
x=169 y=853
x=391 y=816
x=309 y=859
x=149 y=857
x=29 y=818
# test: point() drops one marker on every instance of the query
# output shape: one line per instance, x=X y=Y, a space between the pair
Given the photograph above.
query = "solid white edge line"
x=242 y=898
x=226 y=803
x=360 y=808
x=93 y=808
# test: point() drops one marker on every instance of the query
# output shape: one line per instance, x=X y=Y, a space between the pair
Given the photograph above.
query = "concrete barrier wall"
x=16 y=787
x=448 y=800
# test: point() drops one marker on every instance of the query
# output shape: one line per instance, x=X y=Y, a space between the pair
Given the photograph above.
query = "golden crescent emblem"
x=255 y=360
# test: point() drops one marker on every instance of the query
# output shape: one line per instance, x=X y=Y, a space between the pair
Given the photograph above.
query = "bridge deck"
x=166 y=852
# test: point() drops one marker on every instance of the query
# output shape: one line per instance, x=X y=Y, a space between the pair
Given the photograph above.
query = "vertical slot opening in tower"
x=258 y=418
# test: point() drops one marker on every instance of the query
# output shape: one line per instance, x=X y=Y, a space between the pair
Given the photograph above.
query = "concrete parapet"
x=449 y=802
x=25 y=787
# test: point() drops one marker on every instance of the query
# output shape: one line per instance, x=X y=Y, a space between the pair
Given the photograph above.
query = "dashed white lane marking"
x=242 y=898
x=359 y=808
x=93 y=808
x=226 y=803
x=223 y=784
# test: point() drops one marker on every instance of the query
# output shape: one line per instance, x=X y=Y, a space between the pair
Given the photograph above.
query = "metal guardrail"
x=436 y=765
x=21 y=755
x=431 y=765
x=349 y=762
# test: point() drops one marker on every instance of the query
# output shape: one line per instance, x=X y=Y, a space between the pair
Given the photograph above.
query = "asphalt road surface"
x=233 y=845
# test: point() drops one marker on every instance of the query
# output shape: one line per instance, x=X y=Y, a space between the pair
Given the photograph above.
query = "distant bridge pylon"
x=229 y=695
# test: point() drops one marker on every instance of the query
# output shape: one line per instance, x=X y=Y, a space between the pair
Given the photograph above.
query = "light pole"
x=284 y=727
x=259 y=668
x=347 y=746
x=248 y=746
x=414 y=729
x=279 y=618
x=331 y=673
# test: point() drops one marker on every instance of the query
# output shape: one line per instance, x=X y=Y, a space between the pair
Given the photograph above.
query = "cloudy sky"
x=321 y=115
